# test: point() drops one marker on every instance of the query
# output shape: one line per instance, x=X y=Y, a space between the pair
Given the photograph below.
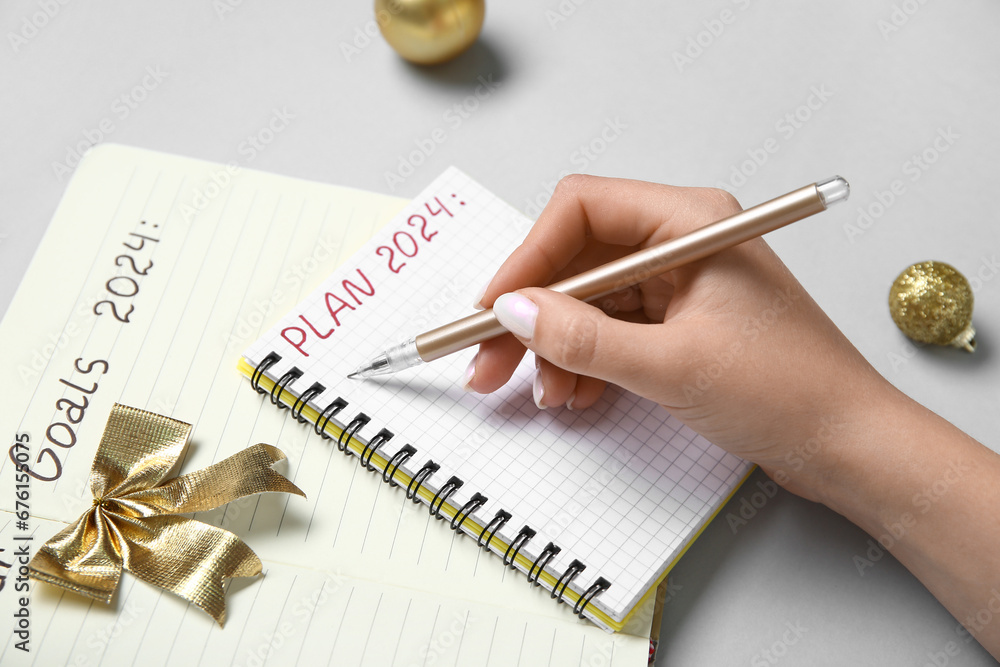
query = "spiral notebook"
x=148 y=284
x=595 y=505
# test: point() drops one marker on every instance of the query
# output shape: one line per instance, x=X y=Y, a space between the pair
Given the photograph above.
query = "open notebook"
x=154 y=274
x=594 y=505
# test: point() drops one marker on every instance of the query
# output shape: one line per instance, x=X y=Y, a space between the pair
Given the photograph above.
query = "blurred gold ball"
x=428 y=32
x=931 y=302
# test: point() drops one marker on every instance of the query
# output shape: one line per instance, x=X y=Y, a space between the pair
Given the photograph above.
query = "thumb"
x=582 y=339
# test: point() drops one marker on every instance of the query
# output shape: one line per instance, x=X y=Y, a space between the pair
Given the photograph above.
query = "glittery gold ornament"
x=428 y=32
x=931 y=302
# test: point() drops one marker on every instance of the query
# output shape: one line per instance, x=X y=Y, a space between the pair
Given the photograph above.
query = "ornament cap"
x=965 y=340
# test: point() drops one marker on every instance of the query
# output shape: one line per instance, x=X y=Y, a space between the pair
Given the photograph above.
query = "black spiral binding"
x=498 y=521
x=329 y=412
x=475 y=502
x=258 y=372
x=279 y=387
x=344 y=439
x=575 y=568
x=382 y=437
x=428 y=469
x=451 y=486
x=598 y=586
x=523 y=535
x=309 y=394
x=405 y=453
x=543 y=559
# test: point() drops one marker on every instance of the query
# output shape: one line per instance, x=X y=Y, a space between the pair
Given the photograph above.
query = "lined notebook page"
x=226 y=263
x=621 y=487
x=301 y=616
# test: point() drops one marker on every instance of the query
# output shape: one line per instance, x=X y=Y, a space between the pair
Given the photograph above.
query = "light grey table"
x=760 y=97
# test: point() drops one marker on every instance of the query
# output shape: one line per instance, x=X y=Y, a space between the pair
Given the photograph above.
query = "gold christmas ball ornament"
x=428 y=32
x=931 y=302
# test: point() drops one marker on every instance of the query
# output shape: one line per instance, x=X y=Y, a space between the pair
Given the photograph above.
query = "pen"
x=621 y=273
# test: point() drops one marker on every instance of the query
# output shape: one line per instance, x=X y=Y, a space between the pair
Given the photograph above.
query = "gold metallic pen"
x=621 y=273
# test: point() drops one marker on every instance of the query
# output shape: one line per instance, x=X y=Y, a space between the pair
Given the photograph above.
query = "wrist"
x=889 y=449
x=848 y=452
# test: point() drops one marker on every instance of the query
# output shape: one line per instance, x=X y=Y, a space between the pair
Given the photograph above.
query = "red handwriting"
x=401 y=247
x=330 y=320
x=404 y=242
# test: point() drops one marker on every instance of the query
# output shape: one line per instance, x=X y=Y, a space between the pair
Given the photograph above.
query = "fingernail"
x=517 y=314
x=569 y=402
x=477 y=303
x=470 y=372
x=538 y=391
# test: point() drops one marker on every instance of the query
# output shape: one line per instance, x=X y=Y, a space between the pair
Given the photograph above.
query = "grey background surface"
x=761 y=97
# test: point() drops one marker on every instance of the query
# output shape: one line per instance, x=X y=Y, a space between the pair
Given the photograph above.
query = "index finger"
x=610 y=210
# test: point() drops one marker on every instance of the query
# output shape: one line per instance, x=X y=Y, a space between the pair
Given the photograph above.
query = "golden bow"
x=132 y=522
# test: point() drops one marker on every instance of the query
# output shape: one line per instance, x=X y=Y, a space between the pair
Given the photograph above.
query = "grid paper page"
x=621 y=487
x=223 y=271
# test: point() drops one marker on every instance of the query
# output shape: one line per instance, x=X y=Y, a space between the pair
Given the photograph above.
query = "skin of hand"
x=732 y=344
x=734 y=347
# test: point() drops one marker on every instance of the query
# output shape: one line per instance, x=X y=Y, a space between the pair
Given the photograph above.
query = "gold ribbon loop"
x=137 y=450
x=134 y=524
x=245 y=473
x=81 y=558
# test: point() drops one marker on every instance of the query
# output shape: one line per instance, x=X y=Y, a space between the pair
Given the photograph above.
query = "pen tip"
x=354 y=375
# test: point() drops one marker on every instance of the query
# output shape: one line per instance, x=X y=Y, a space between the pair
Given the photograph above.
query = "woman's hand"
x=732 y=344
x=734 y=347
